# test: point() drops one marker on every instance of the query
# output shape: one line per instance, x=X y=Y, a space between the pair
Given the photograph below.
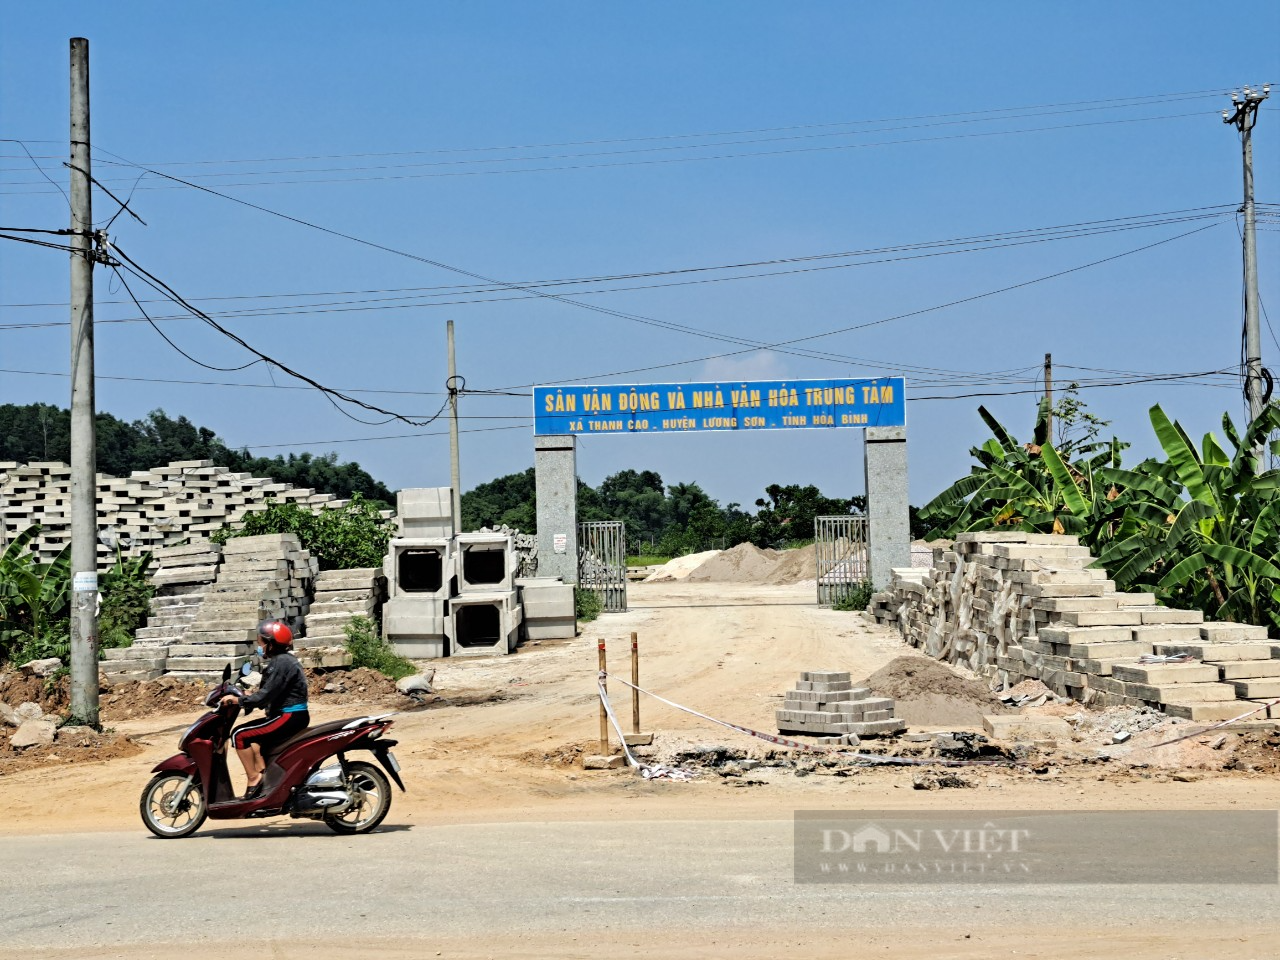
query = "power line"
x=883 y=320
x=981 y=241
x=650 y=162
x=330 y=394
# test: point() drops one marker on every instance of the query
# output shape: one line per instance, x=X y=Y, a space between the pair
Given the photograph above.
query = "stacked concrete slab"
x=547 y=603
x=339 y=597
x=166 y=506
x=261 y=578
x=825 y=702
x=181 y=576
x=1015 y=606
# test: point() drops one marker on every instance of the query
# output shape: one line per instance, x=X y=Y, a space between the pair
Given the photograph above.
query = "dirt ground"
x=502 y=741
x=504 y=736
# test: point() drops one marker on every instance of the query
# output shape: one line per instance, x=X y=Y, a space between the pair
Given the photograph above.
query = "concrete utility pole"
x=455 y=469
x=84 y=507
x=1048 y=395
x=1244 y=118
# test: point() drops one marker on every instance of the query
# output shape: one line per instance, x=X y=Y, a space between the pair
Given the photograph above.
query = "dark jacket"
x=284 y=684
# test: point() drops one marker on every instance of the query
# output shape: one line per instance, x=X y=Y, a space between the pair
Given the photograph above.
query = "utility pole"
x=84 y=494
x=1048 y=395
x=1244 y=118
x=455 y=471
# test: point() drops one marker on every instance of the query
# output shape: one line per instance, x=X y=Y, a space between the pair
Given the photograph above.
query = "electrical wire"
x=650 y=162
x=891 y=319
x=1088 y=227
x=329 y=393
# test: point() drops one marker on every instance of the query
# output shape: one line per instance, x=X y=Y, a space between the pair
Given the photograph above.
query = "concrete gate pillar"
x=888 y=509
x=555 y=462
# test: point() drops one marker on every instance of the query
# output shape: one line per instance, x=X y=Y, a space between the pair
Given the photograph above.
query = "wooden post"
x=635 y=682
x=604 y=717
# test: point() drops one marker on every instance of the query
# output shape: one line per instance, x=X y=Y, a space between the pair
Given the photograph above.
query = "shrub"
x=856 y=599
x=126 y=601
x=587 y=604
x=369 y=649
x=355 y=535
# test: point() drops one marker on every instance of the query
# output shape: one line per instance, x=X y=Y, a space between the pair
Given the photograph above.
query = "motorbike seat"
x=315 y=731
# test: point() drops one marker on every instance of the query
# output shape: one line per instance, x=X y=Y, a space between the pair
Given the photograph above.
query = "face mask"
x=258 y=650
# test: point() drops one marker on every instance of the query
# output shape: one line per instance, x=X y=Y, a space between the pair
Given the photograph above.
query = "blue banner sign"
x=696 y=407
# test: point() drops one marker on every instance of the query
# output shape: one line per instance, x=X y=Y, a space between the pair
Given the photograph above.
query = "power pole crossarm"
x=84 y=493
x=1244 y=117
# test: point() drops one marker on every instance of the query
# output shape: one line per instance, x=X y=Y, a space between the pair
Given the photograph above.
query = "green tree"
x=638 y=499
x=789 y=511
x=510 y=500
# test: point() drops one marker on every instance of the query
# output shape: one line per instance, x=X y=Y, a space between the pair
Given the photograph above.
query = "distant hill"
x=41 y=431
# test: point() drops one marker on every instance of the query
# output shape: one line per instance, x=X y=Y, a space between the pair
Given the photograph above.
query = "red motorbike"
x=349 y=796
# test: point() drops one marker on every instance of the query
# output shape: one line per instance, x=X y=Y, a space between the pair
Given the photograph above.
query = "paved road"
x=125 y=888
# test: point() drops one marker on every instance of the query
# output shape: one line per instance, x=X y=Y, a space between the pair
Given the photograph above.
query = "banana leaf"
x=1183 y=457
x=1066 y=483
x=1242 y=559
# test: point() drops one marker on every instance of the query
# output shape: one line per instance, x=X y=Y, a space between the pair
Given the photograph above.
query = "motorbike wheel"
x=159 y=814
x=371 y=800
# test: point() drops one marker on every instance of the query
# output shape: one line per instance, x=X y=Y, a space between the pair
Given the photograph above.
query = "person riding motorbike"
x=282 y=696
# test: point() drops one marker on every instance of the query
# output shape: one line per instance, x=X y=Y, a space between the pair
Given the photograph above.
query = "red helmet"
x=277 y=632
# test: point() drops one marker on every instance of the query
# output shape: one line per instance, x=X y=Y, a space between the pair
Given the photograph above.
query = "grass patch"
x=369 y=649
x=646 y=561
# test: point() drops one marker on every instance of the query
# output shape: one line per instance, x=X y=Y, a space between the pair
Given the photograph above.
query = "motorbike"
x=348 y=796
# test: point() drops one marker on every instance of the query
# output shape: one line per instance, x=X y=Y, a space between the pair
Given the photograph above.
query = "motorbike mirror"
x=246 y=668
x=226 y=673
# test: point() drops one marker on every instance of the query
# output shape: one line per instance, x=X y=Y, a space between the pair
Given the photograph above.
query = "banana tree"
x=1203 y=527
x=1027 y=486
x=32 y=595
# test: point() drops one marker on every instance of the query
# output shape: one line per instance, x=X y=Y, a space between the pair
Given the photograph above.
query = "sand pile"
x=930 y=693
x=794 y=566
x=680 y=567
x=745 y=563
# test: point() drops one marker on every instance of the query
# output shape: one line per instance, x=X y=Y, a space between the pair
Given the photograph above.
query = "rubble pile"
x=1018 y=606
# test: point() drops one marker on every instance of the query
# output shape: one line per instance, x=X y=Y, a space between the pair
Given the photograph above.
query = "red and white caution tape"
x=654 y=771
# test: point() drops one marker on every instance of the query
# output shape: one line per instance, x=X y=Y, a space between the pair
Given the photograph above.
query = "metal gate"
x=602 y=562
x=840 y=548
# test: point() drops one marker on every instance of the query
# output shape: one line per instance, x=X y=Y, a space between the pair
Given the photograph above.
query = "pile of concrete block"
x=261 y=578
x=339 y=597
x=166 y=506
x=181 y=575
x=826 y=703
x=1016 y=606
x=419 y=574
x=547 y=604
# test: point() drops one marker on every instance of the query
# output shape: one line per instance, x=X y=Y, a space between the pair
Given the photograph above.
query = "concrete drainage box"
x=484 y=623
x=425 y=512
x=419 y=568
x=417 y=627
x=484 y=563
x=547 y=603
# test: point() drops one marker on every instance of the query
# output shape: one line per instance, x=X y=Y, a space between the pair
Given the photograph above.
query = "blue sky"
x=387 y=109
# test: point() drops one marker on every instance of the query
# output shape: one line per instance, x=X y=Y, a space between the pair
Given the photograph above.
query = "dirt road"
x=490 y=766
